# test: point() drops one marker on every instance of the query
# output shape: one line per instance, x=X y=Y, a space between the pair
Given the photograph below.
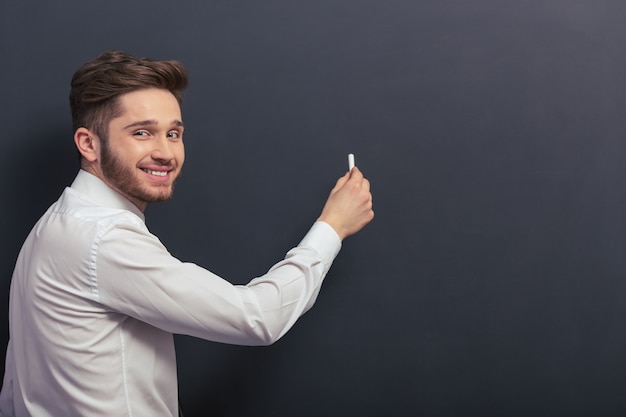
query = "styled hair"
x=97 y=85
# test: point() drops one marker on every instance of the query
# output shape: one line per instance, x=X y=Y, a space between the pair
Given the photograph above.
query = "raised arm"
x=349 y=205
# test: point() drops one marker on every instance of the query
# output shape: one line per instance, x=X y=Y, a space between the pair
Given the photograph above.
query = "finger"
x=356 y=176
x=341 y=182
x=365 y=185
x=356 y=173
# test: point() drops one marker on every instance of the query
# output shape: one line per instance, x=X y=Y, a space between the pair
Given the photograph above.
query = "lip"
x=158 y=174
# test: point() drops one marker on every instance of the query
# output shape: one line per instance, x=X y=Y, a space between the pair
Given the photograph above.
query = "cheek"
x=181 y=154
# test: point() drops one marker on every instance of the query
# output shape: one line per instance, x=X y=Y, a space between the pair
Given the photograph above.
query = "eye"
x=174 y=134
x=142 y=133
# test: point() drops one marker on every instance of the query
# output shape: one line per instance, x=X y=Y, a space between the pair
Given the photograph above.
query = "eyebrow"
x=152 y=122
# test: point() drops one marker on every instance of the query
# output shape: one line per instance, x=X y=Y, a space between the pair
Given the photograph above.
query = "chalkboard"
x=492 y=280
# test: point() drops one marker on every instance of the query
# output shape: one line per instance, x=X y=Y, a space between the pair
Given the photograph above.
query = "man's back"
x=70 y=343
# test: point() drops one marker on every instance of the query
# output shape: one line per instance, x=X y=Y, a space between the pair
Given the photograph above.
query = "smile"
x=157 y=173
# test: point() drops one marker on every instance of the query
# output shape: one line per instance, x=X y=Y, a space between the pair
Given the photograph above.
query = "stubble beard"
x=124 y=179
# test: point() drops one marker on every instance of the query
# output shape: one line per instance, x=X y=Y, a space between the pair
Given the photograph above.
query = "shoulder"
x=75 y=205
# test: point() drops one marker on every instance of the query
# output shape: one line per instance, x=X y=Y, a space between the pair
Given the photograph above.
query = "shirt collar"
x=100 y=193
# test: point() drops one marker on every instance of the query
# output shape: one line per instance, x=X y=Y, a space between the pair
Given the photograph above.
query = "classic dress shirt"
x=95 y=300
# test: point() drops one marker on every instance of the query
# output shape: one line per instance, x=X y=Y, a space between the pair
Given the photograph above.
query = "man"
x=95 y=297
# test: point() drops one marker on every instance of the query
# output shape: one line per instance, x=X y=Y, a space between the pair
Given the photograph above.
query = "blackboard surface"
x=492 y=281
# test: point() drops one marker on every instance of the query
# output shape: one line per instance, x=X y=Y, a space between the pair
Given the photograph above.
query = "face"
x=144 y=152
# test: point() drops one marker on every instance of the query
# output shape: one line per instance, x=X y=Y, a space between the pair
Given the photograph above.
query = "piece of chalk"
x=350 y=161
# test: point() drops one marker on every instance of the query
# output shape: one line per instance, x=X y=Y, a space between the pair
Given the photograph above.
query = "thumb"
x=341 y=182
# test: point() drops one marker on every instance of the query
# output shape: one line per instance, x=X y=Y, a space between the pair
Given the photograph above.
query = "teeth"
x=157 y=173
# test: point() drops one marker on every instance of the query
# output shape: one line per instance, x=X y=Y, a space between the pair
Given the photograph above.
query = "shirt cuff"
x=324 y=240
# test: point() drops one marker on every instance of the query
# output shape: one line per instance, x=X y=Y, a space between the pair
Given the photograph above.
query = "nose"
x=163 y=149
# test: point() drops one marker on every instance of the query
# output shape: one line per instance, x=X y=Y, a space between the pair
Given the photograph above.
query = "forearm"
x=185 y=298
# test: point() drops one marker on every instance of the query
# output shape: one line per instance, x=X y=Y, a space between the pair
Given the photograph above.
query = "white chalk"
x=350 y=161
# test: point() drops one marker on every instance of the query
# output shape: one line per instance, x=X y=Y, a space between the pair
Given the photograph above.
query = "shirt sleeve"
x=138 y=277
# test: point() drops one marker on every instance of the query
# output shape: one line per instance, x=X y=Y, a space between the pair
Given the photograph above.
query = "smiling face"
x=143 y=154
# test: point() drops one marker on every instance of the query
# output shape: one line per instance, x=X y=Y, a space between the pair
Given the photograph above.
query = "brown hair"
x=98 y=83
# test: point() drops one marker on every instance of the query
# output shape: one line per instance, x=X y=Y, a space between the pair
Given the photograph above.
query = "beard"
x=124 y=179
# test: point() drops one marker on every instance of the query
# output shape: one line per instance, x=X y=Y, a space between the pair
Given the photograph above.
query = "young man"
x=95 y=297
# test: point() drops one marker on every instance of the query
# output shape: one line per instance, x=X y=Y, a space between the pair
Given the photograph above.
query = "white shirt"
x=95 y=300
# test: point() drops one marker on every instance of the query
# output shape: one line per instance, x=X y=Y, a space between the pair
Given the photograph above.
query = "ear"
x=87 y=144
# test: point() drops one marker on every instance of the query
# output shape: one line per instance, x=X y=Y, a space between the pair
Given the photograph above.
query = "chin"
x=162 y=195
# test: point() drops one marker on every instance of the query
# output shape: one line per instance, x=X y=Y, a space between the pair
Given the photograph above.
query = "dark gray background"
x=491 y=282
